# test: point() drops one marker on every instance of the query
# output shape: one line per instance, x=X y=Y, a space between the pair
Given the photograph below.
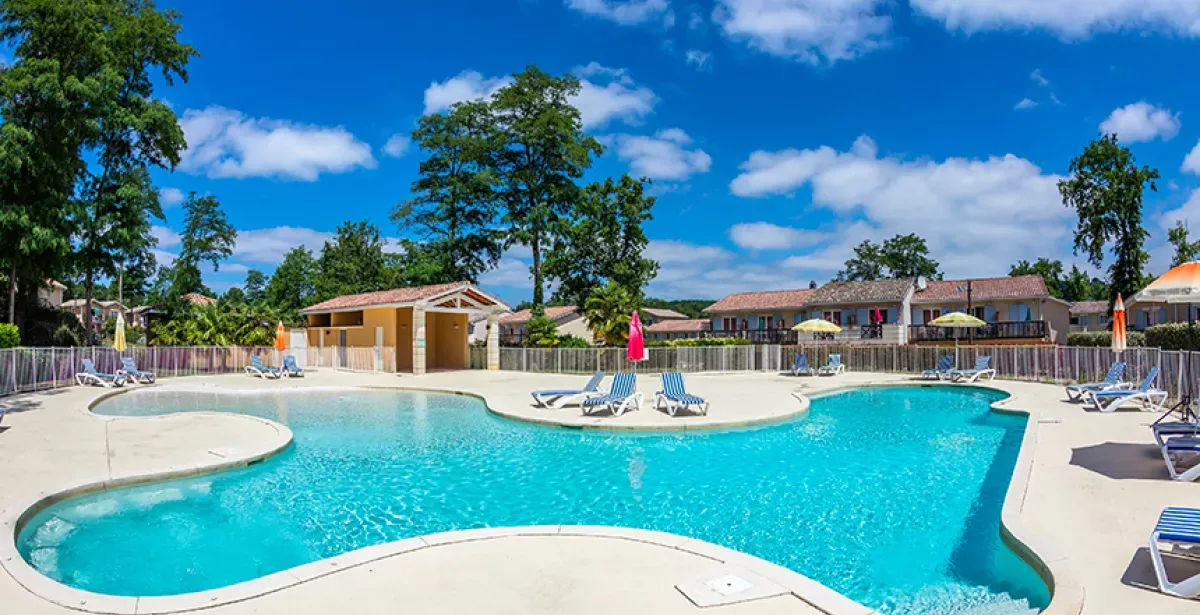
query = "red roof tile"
x=198 y=299
x=680 y=326
x=770 y=300
x=523 y=316
x=664 y=313
x=384 y=297
x=983 y=289
x=1089 y=307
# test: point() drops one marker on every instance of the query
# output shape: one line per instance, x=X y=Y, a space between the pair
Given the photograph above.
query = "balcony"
x=993 y=331
x=860 y=334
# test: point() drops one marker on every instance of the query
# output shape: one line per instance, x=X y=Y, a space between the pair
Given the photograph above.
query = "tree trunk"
x=12 y=295
x=87 y=309
x=536 y=248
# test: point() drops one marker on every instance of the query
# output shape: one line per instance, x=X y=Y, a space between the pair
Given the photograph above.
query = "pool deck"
x=1086 y=493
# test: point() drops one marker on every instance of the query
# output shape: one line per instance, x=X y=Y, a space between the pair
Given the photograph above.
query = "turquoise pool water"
x=891 y=496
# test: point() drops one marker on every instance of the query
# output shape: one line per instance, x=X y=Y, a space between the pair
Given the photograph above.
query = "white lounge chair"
x=834 y=367
x=135 y=375
x=256 y=368
x=89 y=375
x=563 y=397
x=1173 y=448
x=801 y=366
x=1152 y=398
x=675 y=396
x=1179 y=528
x=622 y=396
x=944 y=366
x=291 y=368
x=980 y=370
x=1112 y=382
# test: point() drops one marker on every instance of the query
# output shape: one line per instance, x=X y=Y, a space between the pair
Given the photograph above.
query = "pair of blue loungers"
x=623 y=396
x=1114 y=393
x=833 y=368
x=945 y=370
x=129 y=373
x=258 y=368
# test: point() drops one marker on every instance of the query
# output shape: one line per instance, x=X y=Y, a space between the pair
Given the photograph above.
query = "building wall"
x=447 y=337
x=404 y=339
x=575 y=325
x=790 y=318
x=1058 y=318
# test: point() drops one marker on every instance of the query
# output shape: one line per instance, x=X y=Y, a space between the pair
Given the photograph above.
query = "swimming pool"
x=891 y=496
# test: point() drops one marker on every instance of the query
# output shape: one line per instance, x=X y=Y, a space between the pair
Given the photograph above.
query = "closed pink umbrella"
x=878 y=316
x=636 y=351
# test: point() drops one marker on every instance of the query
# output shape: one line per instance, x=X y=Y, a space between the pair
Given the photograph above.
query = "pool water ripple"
x=891 y=496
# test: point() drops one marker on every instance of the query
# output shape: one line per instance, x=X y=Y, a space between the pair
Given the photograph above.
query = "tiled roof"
x=1089 y=307
x=523 y=316
x=859 y=292
x=680 y=326
x=770 y=300
x=384 y=297
x=983 y=289
x=664 y=313
x=198 y=299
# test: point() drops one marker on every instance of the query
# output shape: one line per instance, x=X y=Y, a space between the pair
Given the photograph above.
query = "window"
x=928 y=316
x=979 y=312
x=833 y=316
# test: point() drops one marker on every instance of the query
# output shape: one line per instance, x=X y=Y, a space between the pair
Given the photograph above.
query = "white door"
x=378 y=349
x=299 y=346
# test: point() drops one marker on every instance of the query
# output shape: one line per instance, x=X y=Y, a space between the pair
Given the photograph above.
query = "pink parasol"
x=636 y=351
x=878 y=316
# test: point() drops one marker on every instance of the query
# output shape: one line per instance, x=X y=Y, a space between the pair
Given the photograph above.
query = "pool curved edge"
x=1038 y=551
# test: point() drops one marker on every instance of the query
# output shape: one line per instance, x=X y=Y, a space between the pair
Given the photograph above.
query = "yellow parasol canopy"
x=957 y=320
x=817 y=325
x=119 y=333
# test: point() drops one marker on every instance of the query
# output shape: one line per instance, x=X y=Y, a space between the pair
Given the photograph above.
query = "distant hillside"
x=688 y=307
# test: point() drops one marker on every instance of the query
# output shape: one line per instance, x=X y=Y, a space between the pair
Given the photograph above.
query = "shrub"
x=10 y=337
x=541 y=331
x=1176 y=336
x=696 y=343
x=570 y=341
x=1104 y=338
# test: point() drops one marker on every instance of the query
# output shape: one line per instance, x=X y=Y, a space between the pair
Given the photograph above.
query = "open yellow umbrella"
x=817 y=325
x=119 y=333
x=957 y=320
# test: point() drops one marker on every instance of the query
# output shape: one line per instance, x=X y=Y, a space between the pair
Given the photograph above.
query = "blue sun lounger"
x=675 y=396
x=1173 y=448
x=834 y=367
x=801 y=366
x=945 y=364
x=290 y=368
x=89 y=375
x=1177 y=527
x=1171 y=429
x=1112 y=381
x=980 y=370
x=622 y=396
x=1108 y=401
x=134 y=374
x=560 y=398
x=256 y=368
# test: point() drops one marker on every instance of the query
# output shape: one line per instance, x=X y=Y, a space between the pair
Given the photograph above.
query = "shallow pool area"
x=891 y=496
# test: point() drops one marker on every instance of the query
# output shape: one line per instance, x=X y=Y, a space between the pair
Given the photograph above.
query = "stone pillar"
x=493 y=343
x=418 y=345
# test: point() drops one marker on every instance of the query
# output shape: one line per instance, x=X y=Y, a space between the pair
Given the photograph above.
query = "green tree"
x=1050 y=270
x=1185 y=251
x=256 y=282
x=453 y=209
x=293 y=285
x=1078 y=286
x=234 y=296
x=1105 y=188
x=207 y=237
x=607 y=312
x=544 y=151
x=902 y=256
x=352 y=262
x=604 y=243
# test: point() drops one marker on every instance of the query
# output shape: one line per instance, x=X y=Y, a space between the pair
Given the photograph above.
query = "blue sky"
x=779 y=133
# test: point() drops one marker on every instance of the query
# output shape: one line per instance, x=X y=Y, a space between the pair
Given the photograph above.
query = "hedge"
x=1175 y=336
x=1104 y=338
x=10 y=337
x=693 y=343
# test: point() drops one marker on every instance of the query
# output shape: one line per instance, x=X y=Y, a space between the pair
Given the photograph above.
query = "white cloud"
x=508 y=272
x=813 y=31
x=225 y=143
x=697 y=58
x=696 y=21
x=467 y=85
x=164 y=236
x=627 y=12
x=270 y=245
x=397 y=145
x=666 y=155
x=1188 y=212
x=162 y=257
x=1191 y=164
x=1070 y=19
x=767 y=236
x=1037 y=77
x=1004 y=206
x=1142 y=121
x=1026 y=103
x=233 y=268
x=674 y=251
x=170 y=196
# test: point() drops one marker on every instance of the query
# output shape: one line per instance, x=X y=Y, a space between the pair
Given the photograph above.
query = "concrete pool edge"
x=1066 y=593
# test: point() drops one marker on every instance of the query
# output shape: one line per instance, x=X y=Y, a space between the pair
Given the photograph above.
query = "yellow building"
x=409 y=329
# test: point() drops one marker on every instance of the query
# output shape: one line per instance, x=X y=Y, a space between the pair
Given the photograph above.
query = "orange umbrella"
x=1118 y=326
x=280 y=338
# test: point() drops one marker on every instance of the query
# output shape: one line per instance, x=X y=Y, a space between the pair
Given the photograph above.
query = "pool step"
x=1006 y=607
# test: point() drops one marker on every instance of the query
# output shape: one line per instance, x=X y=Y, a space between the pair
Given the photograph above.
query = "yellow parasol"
x=957 y=320
x=119 y=333
x=817 y=325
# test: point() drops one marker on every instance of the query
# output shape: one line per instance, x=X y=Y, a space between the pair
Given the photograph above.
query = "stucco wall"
x=577 y=326
x=1058 y=318
x=446 y=340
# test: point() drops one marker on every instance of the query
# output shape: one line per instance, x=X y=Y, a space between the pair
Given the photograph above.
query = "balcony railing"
x=1002 y=330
